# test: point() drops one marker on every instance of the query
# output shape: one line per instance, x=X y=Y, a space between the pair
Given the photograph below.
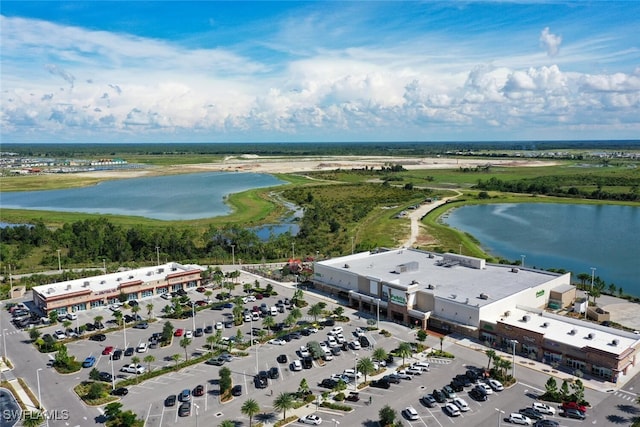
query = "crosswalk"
x=625 y=395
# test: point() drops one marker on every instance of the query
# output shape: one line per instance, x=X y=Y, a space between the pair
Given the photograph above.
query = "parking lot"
x=147 y=399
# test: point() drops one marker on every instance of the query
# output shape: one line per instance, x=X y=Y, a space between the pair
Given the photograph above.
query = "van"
x=274 y=311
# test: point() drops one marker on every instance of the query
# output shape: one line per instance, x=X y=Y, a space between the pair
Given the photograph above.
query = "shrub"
x=339 y=397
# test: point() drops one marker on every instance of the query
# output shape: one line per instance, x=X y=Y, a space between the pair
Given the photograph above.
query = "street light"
x=513 y=367
x=233 y=254
x=59 y=263
x=197 y=407
x=39 y=396
x=500 y=413
x=158 y=254
x=113 y=377
x=335 y=422
x=355 y=371
x=522 y=263
x=193 y=316
x=4 y=344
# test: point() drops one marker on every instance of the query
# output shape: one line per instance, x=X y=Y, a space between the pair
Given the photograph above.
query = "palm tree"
x=237 y=314
x=135 y=309
x=268 y=322
x=184 y=343
x=289 y=320
x=250 y=408
x=176 y=358
x=208 y=294
x=227 y=423
x=404 y=350
x=149 y=359
x=32 y=419
x=149 y=310
x=118 y=315
x=315 y=310
x=380 y=354
x=283 y=402
x=365 y=365
x=212 y=340
x=296 y=313
x=491 y=354
x=98 y=320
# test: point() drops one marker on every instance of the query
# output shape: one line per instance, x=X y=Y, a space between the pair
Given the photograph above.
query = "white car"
x=166 y=295
x=516 y=418
x=423 y=365
x=219 y=325
x=277 y=341
x=247 y=317
x=543 y=408
x=486 y=388
x=461 y=404
x=355 y=345
x=495 y=385
x=310 y=419
x=188 y=334
x=411 y=413
x=413 y=371
x=59 y=334
x=296 y=365
x=72 y=316
x=304 y=352
x=382 y=363
x=352 y=374
x=133 y=369
x=142 y=347
x=451 y=410
x=312 y=330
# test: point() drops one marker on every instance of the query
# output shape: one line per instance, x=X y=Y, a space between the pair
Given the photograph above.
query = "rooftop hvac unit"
x=86 y=282
x=614 y=343
x=119 y=279
x=526 y=318
x=545 y=325
x=174 y=269
x=591 y=335
x=69 y=286
x=161 y=270
x=515 y=270
x=149 y=273
x=573 y=332
x=130 y=277
x=484 y=296
x=346 y=266
x=102 y=282
x=430 y=286
x=50 y=290
x=430 y=255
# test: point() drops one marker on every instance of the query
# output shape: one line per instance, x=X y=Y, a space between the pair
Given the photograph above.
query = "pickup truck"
x=133 y=369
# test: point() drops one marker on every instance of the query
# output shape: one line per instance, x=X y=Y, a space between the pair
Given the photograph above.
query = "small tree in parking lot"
x=387 y=416
x=184 y=343
x=404 y=350
x=225 y=380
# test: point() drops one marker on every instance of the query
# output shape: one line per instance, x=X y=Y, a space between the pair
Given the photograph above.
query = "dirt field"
x=252 y=163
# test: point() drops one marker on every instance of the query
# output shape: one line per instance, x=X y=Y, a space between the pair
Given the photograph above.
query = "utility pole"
x=158 y=254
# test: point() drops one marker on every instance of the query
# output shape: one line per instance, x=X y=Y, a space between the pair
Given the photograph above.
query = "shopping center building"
x=98 y=291
x=501 y=305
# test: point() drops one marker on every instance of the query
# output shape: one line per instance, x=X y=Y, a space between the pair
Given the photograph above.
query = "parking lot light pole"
x=193 y=315
x=113 y=377
x=500 y=413
x=197 y=407
x=355 y=371
x=39 y=395
x=124 y=329
x=513 y=367
x=4 y=344
x=336 y=423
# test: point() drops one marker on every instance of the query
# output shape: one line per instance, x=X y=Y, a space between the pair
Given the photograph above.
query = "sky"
x=332 y=71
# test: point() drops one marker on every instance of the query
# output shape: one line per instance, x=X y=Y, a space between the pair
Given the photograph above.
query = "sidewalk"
x=21 y=394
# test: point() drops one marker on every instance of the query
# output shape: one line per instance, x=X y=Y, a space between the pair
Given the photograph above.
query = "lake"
x=569 y=236
x=173 y=197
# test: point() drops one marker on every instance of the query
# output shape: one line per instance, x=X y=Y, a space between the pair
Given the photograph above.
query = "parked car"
x=517 y=418
x=328 y=383
x=141 y=325
x=392 y=378
x=185 y=395
x=133 y=369
x=198 y=390
x=236 y=390
x=428 y=400
x=475 y=394
x=495 y=385
x=178 y=332
x=462 y=405
x=576 y=414
x=216 y=361
x=353 y=396
x=547 y=423
x=59 y=334
x=107 y=350
x=574 y=405
x=276 y=341
x=310 y=419
x=448 y=392
x=410 y=413
x=486 y=388
x=129 y=351
x=439 y=396
x=381 y=383
x=274 y=372
x=282 y=358
x=142 y=347
x=116 y=355
x=120 y=391
x=543 y=408
x=531 y=413
x=296 y=365
x=185 y=409
x=170 y=400
x=451 y=410
x=259 y=381
x=105 y=376
x=89 y=362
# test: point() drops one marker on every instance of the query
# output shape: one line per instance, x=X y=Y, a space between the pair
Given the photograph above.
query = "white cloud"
x=551 y=42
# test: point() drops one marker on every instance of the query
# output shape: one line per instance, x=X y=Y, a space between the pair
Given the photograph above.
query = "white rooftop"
x=106 y=283
x=573 y=332
x=442 y=276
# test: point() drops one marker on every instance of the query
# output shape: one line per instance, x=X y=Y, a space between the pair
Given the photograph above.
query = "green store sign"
x=539 y=293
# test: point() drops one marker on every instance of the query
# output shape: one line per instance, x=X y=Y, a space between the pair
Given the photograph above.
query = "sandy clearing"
x=253 y=163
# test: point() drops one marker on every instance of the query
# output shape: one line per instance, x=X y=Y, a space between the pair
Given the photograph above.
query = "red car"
x=178 y=333
x=574 y=405
x=107 y=350
x=199 y=390
x=201 y=289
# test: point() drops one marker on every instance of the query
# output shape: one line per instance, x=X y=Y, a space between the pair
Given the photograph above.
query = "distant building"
x=466 y=295
x=99 y=291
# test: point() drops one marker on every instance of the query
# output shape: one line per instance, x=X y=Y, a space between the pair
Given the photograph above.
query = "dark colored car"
x=236 y=390
x=364 y=342
x=185 y=409
x=274 y=372
x=392 y=378
x=208 y=329
x=381 y=383
x=259 y=382
x=120 y=391
x=307 y=362
x=296 y=335
x=353 y=396
x=336 y=351
x=105 y=376
x=456 y=385
x=466 y=382
x=531 y=413
x=170 y=400
x=576 y=414
x=439 y=396
x=90 y=327
x=117 y=355
x=472 y=375
x=476 y=395
x=198 y=390
x=198 y=332
x=479 y=389
x=282 y=358
x=448 y=392
x=329 y=322
x=389 y=359
x=305 y=332
x=98 y=337
x=132 y=303
x=141 y=325
x=547 y=423
x=129 y=351
x=328 y=383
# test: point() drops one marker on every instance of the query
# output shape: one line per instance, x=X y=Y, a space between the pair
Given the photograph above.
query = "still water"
x=175 y=197
x=572 y=237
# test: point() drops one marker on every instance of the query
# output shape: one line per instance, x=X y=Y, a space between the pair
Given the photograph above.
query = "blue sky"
x=161 y=71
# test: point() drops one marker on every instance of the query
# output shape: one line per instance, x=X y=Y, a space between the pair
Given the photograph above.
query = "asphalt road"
x=146 y=399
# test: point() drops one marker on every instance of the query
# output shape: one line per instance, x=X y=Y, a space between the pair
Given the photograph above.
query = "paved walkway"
x=22 y=395
x=417 y=214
